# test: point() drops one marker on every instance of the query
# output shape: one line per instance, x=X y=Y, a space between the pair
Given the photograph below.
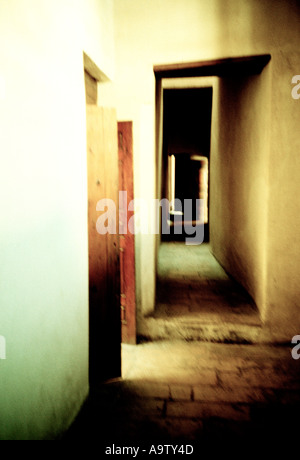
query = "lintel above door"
x=241 y=65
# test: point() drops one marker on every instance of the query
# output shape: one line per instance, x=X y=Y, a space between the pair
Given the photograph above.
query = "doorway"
x=186 y=157
x=196 y=298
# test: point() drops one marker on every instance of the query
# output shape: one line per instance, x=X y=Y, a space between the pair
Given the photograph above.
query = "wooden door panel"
x=127 y=253
x=104 y=280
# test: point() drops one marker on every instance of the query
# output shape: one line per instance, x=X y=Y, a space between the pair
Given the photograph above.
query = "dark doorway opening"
x=186 y=157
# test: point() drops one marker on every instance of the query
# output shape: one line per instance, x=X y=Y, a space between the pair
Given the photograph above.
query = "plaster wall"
x=239 y=180
x=283 y=244
x=43 y=202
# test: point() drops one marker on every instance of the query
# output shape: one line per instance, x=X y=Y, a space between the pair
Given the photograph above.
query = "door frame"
x=226 y=67
x=172 y=83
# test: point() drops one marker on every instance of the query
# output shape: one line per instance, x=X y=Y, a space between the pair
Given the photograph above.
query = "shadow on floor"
x=197 y=394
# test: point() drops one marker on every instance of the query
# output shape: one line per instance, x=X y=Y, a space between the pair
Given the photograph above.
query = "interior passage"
x=192 y=284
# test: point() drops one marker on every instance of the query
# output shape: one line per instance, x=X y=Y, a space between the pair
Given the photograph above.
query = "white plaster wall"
x=43 y=202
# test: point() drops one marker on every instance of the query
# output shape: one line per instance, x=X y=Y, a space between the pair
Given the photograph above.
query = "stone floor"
x=208 y=390
x=197 y=300
x=195 y=393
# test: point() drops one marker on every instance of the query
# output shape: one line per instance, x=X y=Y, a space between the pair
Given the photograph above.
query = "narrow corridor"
x=197 y=300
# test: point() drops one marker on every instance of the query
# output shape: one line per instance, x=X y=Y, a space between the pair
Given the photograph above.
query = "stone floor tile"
x=199 y=410
x=181 y=392
x=148 y=389
x=218 y=394
x=187 y=429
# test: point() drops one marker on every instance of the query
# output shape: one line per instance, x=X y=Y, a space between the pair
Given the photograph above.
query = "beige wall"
x=283 y=245
x=43 y=202
x=168 y=31
x=239 y=179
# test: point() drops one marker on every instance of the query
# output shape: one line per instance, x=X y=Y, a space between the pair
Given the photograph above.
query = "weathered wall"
x=43 y=201
x=259 y=244
x=283 y=245
x=168 y=31
x=239 y=179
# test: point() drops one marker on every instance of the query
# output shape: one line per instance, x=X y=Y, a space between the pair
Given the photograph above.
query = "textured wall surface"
x=43 y=201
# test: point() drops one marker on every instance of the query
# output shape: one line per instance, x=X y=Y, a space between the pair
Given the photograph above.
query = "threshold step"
x=153 y=329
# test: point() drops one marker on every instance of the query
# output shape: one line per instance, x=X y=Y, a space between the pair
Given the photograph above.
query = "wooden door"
x=127 y=257
x=104 y=267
